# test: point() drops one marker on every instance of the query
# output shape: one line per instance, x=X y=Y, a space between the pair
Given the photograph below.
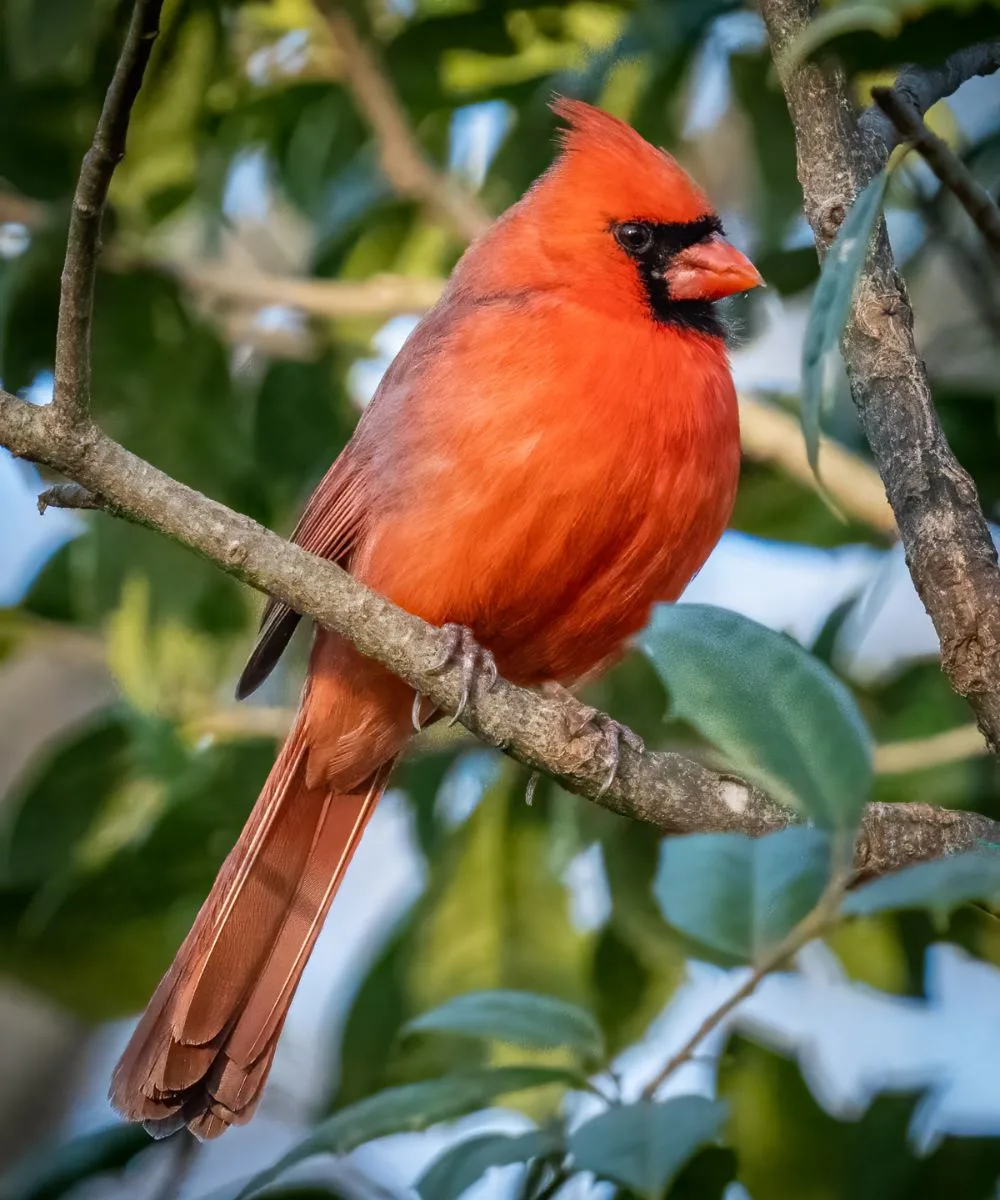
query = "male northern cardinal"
x=555 y=448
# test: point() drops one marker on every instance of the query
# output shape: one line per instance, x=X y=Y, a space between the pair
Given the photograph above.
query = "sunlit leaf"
x=521 y=1018
x=776 y=713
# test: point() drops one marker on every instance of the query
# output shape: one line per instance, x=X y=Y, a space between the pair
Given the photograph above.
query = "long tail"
x=202 y=1050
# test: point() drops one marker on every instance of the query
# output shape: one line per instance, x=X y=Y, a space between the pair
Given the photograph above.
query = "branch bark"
x=944 y=162
x=949 y=551
x=666 y=790
x=71 y=392
x=922 y=87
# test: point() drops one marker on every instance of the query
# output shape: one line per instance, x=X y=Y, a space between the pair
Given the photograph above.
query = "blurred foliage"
x=247 y=149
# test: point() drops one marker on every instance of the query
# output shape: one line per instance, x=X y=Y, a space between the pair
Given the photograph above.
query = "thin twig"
x=403 y=161
x=922 y=87
x=944 y=162
x=71 y=392
x=938 y=750
x=811 y=926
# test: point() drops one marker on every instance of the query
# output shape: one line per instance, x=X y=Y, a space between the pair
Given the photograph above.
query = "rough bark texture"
x=665 y=790
x=948 y=547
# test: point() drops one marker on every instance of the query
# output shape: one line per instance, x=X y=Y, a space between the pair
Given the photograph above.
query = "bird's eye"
x=634 y=237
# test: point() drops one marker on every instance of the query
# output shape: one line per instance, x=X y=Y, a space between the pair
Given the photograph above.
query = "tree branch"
x=666 y=790
x=949 y=550
x=922 y=87
x=400 y=155
x=71 y=393
x=944 y=162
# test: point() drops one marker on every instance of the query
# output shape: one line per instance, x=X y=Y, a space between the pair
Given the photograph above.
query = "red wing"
x=329 y=527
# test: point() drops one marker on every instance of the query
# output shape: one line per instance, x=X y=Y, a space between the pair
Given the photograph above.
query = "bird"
x=554 y=450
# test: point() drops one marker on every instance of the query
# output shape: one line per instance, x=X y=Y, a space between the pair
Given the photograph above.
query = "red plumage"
x=555 y=448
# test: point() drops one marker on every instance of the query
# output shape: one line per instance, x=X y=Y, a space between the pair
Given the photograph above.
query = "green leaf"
x=643 y=1146
x=938 y=886
x=53 y=1170
x=410 y=1108
x=451 y=1175
x=740 y=896
x=776 y=713
x=521 y=1018
x=47 y=822
x=831 y=305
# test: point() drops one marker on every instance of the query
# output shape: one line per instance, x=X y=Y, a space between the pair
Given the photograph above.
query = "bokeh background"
x=126 y=769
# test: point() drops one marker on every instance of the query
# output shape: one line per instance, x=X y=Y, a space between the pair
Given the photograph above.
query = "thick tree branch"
x=402 y=159
x=949 y=550
x=673 y=793
x=666 y=790
x=922 y=87
x=76 y=298
x=944 y=162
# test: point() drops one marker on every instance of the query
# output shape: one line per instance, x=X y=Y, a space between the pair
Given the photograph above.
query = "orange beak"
x=711 y=270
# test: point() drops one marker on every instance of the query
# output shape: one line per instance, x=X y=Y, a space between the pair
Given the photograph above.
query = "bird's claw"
x=615 y=733
x=461 y=645
x=579 y=716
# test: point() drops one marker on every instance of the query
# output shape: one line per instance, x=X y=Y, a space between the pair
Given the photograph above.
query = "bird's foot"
x=578 y=717
x=462 y=646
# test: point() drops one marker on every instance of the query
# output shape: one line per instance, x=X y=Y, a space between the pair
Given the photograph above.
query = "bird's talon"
x=474 y=659
x=415 y=711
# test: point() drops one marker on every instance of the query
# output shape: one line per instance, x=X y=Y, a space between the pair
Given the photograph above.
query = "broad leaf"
x=643 y=1146
x=53 y=1170
x=939 y=886
x=831 y=305
x=410 y=1108
x=451 y=1175
x=522 y=1018
x=740 y=896
x=776 y=713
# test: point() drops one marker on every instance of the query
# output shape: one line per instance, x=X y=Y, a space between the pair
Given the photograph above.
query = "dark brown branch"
x=76 y=298
x=944 y=162
x=402 y=160
x=922 y=87
x=666 y=790
x=949 y=550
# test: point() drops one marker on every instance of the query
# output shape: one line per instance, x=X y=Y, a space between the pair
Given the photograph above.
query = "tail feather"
x=201 y=1052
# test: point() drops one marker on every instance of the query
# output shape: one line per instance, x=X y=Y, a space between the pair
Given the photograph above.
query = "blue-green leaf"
x=451 y=1175
x=644 y=1146
x=739 y=896
x=831 y=305
x=410 y=1108
x=778 y=715
x=54 y=1170
x=939 y=885
x=521 y=1018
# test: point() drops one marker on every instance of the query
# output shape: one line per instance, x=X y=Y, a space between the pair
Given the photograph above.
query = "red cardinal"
x=555 y=448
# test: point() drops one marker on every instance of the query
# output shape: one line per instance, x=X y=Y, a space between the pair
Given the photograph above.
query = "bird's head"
x=622 y=225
